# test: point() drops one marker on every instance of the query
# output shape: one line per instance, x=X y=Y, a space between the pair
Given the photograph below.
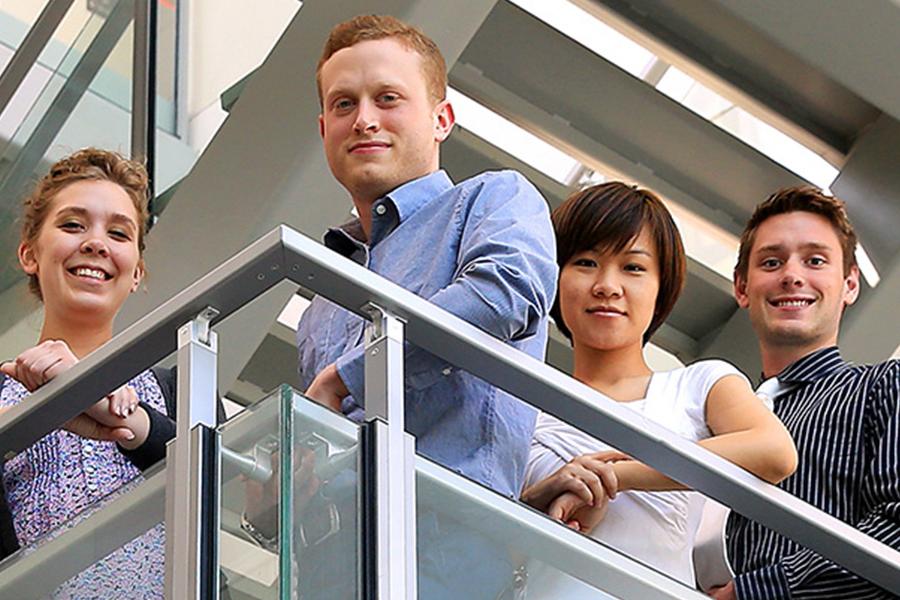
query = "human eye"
x=584 y=261
x=120 y=234
x=770 y=263
x=70 y=225
x=817 y=261
x=342 y=104
x=634 y=267
x=388 y=97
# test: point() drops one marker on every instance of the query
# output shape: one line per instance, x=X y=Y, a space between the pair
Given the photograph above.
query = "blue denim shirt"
x=484 y=250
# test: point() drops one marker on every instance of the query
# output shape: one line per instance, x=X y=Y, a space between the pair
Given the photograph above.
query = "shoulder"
x=505 y=185
x=882 y=379
x=707 y=371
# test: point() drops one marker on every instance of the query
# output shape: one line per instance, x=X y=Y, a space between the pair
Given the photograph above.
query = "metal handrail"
x=286 y=254
x=30 y=49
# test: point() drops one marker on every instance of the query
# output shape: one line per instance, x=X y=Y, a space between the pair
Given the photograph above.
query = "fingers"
x=40 y=364
x=88 y=428
x=564 y=506
x=607 y=475
x=610 y=456
x=123 y=402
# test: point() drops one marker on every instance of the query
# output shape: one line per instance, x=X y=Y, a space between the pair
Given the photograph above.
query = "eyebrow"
x=804 y=246
x=637 y=250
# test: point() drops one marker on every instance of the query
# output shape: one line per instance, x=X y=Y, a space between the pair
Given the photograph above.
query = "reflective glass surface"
x=289 y=519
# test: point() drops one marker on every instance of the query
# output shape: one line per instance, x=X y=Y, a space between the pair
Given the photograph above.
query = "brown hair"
x=609 y=217
x=378 y=27
x=793 y=199
x=89 y=164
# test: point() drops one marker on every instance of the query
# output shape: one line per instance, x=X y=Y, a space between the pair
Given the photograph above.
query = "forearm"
x=767 y=453
x=634 y=475
x=766 y=456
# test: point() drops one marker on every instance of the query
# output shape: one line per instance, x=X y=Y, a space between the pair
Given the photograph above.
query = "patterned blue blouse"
x=64 y=474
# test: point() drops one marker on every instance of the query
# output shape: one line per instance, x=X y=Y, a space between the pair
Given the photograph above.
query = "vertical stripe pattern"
x=846 y=424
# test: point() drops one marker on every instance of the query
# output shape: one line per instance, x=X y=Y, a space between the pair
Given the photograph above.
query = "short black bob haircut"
x=608 y=217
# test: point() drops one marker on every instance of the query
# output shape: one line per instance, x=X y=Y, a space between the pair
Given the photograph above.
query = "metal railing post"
x=387 y=455
x=143 y=89
x=192 y=499
x=30 y=49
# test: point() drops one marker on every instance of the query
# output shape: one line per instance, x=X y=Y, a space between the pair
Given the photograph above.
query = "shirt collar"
x=349 y=238
x=813 y=366
x=413 y=195
x=346 y=239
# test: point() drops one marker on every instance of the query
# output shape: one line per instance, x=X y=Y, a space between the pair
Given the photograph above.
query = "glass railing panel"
x=474 y=543
x=167 y=75
x=65 y=115
x=113 y=548
x=289 y=519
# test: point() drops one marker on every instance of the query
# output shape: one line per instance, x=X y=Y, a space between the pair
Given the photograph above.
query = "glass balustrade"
x=289 y=519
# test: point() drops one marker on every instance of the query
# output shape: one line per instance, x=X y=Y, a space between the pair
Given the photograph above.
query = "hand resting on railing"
x=111 y=419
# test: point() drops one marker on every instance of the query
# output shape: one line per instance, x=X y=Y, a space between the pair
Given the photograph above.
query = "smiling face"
x=607 y=299
x=795 y=288
x=380 y=126
x=86 y=255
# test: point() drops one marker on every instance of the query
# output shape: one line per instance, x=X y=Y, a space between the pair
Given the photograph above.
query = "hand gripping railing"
x=286 y=254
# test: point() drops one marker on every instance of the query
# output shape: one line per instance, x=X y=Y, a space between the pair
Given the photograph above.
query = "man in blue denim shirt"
x=482 y=249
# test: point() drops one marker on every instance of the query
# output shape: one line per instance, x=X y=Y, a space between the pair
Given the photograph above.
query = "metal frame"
x=53 y=119
x=30 y=49
x=284 y=253
x=192 y=515
x=143 y=90
x=387 y=468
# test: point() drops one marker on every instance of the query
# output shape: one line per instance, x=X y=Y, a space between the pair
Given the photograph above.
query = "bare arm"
x=744 y=432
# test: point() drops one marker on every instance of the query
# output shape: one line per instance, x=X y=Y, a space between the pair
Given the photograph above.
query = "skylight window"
x=509 y=137
x=595 y=35
x=867 y=267
x=703 y=241
x=292 y=311
x=588 y=30
x=753 y=131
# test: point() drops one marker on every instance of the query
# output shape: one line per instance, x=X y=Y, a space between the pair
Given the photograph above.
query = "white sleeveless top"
x=656 y=528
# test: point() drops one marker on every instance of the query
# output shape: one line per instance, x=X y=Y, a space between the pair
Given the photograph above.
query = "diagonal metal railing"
x=286 y=254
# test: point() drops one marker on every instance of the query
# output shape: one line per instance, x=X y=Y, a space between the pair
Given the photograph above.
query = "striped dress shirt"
x=845 y=421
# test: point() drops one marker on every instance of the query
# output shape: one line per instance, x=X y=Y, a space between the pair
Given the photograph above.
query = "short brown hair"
x=378 y=27
x=89 y=164
x=609 y=217
x=793 y=199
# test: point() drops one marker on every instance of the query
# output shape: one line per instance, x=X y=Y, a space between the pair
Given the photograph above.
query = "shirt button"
x=380 y=209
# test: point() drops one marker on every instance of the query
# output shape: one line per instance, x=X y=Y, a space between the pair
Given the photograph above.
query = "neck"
x=776 y=357
x=82 y=338
x=364 y=210
x=607 y=369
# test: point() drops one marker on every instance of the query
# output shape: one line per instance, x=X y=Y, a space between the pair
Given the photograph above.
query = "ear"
x=322 y=126
x=27 y=259
x=851 y=286
x=443 y=120
x=138 y=276
x=740 y=291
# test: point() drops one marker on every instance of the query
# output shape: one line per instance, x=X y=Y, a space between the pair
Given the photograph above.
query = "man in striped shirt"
x=796 y=274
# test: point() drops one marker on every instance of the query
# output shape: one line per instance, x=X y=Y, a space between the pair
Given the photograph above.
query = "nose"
x=606 y=286
x=94 y=245
x=791 y=276
x=366 y=118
